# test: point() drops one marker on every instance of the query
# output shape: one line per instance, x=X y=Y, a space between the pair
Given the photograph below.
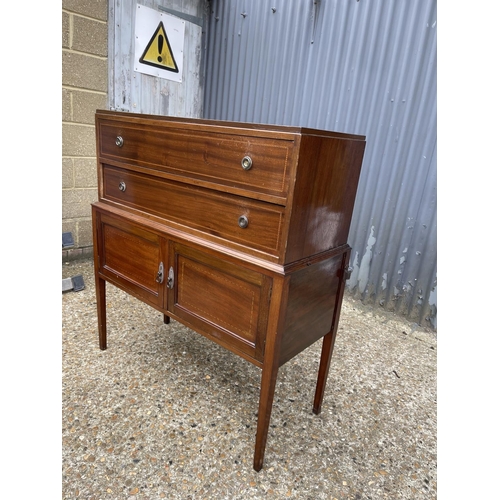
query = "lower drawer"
x=233 y=218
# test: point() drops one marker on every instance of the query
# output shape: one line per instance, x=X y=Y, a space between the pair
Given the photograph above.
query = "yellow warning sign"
x=158 y=52
x=159 y=44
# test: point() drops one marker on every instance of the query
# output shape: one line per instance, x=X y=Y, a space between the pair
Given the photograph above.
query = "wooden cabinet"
x=238 y=231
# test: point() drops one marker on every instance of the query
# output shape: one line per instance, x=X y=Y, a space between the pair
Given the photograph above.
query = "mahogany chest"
x=238 y=231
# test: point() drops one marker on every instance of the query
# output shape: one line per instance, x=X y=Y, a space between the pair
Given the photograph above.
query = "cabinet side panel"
x=324 y=194
x=311 y=306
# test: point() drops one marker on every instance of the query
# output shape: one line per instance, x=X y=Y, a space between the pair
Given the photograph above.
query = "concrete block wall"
x=84 y=89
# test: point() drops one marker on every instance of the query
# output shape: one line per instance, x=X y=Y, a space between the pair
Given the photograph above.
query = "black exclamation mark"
x=160 y=47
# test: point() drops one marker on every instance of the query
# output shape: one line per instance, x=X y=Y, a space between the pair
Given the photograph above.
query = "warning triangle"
x=158 y=52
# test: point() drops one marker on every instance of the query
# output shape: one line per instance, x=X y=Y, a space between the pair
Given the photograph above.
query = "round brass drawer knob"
x=243 y=222
x=119 y=141
x=122 y=186
x=246 y=163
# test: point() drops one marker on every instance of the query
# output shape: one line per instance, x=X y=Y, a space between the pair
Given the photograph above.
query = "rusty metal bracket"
x=347 y=272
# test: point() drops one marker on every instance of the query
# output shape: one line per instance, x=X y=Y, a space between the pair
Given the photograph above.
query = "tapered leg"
x=267 y=387
x=166 y=319
x=100 y=285
x=324 y=368
x=329 y=339
x=274 y=334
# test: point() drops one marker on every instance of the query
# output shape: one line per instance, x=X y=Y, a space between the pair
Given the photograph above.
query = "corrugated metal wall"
x=139 y=93
x=358 y=66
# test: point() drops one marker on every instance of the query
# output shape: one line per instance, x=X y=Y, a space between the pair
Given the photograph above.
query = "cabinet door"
x=225 y=302
x=132 y=258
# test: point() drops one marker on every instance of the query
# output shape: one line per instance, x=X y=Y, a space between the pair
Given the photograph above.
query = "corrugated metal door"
x=356 y=66
x=140 y=93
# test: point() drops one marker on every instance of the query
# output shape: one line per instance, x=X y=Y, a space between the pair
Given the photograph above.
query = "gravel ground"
x=165 y=413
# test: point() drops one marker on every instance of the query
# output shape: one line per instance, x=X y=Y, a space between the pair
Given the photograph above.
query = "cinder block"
x=90 y=36
x=67 y=114
x=69 y=226
x=76 y=202
x=96 y=9
x=84 y=29
x=85 y=105
x=68 y=178
x=84 y=71
x=84 y=233
x=65 y=30
x=85 y=172
x=78 y=140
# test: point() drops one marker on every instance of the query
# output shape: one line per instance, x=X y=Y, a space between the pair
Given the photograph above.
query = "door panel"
x=130 y=257
x=228 y=303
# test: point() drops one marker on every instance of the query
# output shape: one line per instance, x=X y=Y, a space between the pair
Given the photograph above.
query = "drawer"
x=211 y=157
x=220 y=215
x=222 y=300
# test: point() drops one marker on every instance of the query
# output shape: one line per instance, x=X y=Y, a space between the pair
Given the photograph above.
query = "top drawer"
x=259 y=164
